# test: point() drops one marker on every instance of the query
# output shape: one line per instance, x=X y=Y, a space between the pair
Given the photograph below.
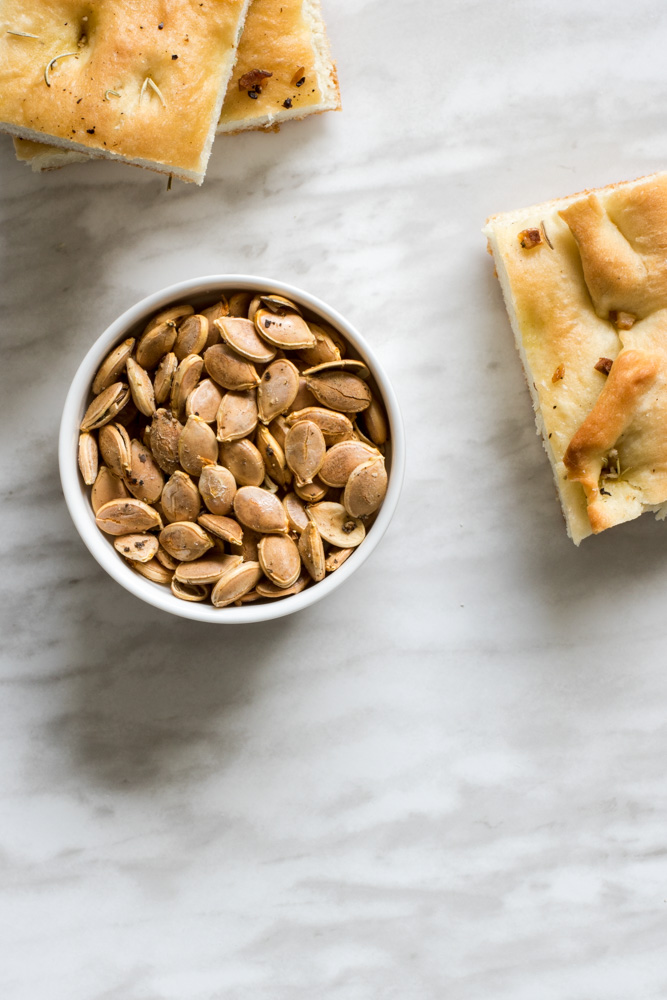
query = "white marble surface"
x=449 y=780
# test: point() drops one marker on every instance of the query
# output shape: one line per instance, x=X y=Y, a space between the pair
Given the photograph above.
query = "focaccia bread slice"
x=585 y=284
x=286 y=38
x=137 y=80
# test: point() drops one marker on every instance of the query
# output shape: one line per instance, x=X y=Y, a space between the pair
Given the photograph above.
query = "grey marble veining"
x=448 y=781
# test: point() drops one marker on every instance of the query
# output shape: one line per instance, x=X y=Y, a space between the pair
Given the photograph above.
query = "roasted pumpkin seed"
x=260 y=510
x=335 y=426
x=106 y=487
x=170 y=315
x=164 y=377
x=325 y=347
x=244 y=462
x=336 y=558
x=242 y=336
x=197 y=445
x=222 y=527
x=279 y=559
x=154 y=571
x=267 y=589
x=180 y=498
x=165 y=432
x=311 y=551
x=237 y=415
x=340 y=390
x=342 y=459
x=88 y=457
x=188 y=591
x=312 y=492
x=141 y=388
x=247 y=548
x=204 y=401
x=104 y=407
x=145 y=479
x=217 y=487
x=115 y=448
x=304 y=451
x=235 y=583
x=113 y=366
x=273 y=455
x=154 y=344
x=167 y=561
x=366 y=488
x=336 y=526
x=277 y=389
x=278 y=303
x=185 y=540
x=207 y=569
x=287 y=330
x=185 y=379
x=375 y=422
x=192 y=336
x=238 y=303
x=137 y=548
x=358 y=368
x=229 y=369
x=296 y=513
x=126 y=517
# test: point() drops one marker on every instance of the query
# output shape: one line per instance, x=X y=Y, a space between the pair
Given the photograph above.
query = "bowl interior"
x=201 y=293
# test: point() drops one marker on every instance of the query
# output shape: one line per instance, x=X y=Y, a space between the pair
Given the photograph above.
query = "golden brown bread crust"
x=117 y=47
x=595 y=289
x=282 y=37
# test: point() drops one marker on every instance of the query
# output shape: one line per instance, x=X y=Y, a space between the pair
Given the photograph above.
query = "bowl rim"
x=77 y=500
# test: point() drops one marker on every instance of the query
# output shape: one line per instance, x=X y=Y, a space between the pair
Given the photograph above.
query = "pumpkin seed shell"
x=235 y=583
x=185 y=540
x=311 y=551
x=366 y=488
x=244 y=462
x=222 y=527
x=106 y=487
x=164 y=377
x=197 y=445
x=88 y=457
x=340 y=390
x=113 y=366
x=336 y=526
x=126 y=517
x=137 y=548
x=279 y=559
x=237 y=415
x=115 y=447
x=180 y=498
x=154 y=344
x=229 y=369
x=204 y=401
x=242 y=336
x=192 y=336
x=304 y=451
x=277 y=389
x=342 y=459
x=145 y=479
x=217 y=487
x=260 y=510
x=165 y=431
x=105 y=406
x=288 y=329
x=188 y=591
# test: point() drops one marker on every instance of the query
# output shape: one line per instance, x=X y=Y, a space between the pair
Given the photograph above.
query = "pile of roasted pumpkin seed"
x=235 y=453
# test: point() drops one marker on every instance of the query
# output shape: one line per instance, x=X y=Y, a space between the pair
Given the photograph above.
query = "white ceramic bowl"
x=202 y=292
